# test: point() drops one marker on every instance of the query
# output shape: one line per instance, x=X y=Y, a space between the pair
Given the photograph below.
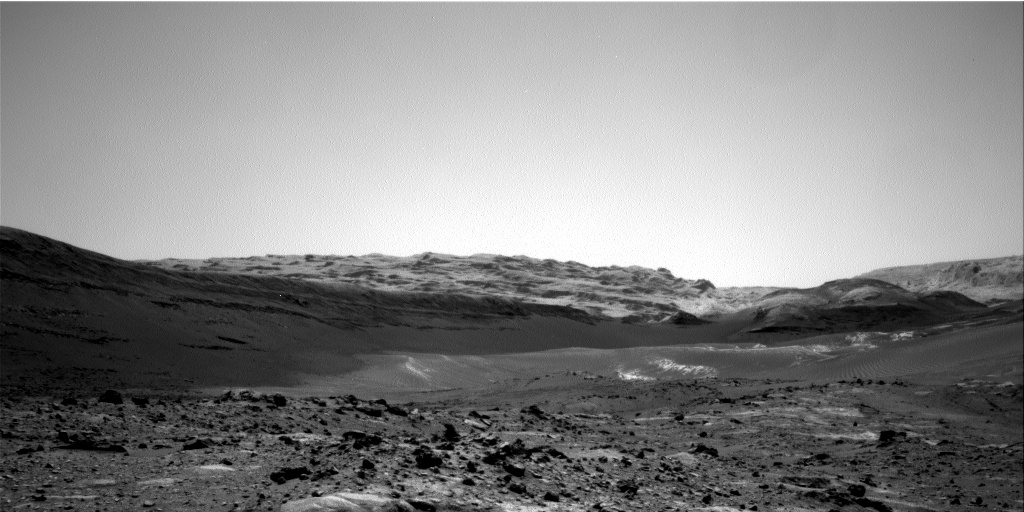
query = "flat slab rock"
x=347 y=502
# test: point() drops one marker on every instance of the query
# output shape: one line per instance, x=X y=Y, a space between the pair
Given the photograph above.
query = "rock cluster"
x=740 y=445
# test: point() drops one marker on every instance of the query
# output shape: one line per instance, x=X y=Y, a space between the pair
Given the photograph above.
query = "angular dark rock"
x=426 y=458
x=628 y=487
x=373 y=412
x=534 y=410
x=889 y=437
x=517 y=470
x=93 y=445
x=517 y=488
x=111 y=397
x=198 y=444
x=324 y=473
x=700 y=448
x=397 y=411
x=425 y=506
x=450 y=434
x=284 y=474
x=367 y=441
x=872 y=504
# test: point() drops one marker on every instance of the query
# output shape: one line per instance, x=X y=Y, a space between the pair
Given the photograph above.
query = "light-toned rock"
x=684 y=458
x=347 y=502
x=160 y=482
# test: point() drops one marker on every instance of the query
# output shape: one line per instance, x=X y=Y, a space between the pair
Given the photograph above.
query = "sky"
x=748 y=144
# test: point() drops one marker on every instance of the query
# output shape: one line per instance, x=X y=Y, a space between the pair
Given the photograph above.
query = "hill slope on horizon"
x=74 y=318
x=989 y=281
x=630 y=293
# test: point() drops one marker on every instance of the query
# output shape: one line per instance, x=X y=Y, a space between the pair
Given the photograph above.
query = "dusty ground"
x=709 y=444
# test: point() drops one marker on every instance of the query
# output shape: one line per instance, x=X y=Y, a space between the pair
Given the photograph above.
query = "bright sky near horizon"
x=748 y=144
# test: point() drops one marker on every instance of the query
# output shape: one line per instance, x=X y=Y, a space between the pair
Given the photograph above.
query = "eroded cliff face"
x=636 y=293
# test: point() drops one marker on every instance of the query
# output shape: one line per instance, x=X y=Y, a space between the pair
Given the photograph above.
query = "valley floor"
x=693 y=444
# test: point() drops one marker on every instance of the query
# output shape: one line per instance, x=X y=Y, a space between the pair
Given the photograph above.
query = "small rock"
x=397 y=411
x=111 y=397
x=198 y=444
x=534 y=410
x=517 y=470
x=450 y=433
x=422 y=505
x=700 y=448
x=284 y=474
x=426 y=458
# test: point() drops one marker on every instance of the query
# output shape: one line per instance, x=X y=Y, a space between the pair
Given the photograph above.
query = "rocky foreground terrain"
x=488 y=383
x=707 y=444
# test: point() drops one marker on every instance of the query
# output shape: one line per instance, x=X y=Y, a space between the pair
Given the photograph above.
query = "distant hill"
x=632 y=294
x=847 y=305
x=990 y=281
x=74 y=318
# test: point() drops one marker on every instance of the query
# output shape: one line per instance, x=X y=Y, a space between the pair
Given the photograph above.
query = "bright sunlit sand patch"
x=669 y=365
x=632 y=375
x=839 y=411
x=418 y=369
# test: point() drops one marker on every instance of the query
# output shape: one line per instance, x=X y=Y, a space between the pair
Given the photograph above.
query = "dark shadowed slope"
x=79 y=313
x=988 y=280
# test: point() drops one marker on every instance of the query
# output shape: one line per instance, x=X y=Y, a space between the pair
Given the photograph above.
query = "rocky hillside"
x=634 y=294
x=990 y=281
x=857 y=304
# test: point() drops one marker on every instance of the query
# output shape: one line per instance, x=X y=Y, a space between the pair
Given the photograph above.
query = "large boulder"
x=111 y=397
x=347 y=502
